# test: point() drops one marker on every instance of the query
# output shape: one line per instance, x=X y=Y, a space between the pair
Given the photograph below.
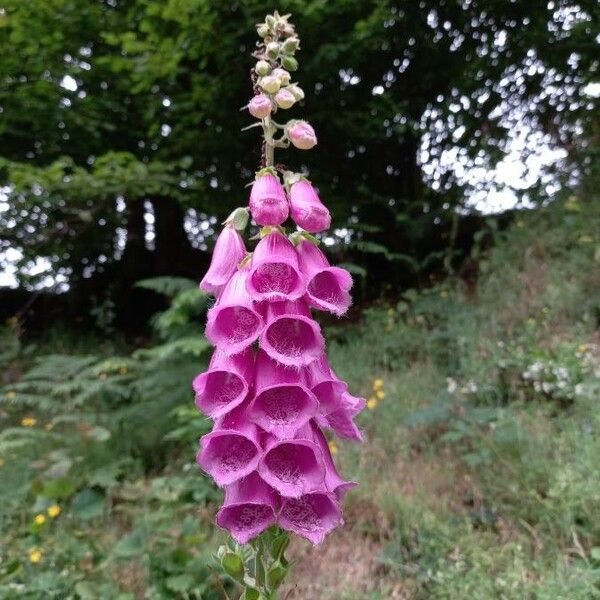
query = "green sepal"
x=233 y=565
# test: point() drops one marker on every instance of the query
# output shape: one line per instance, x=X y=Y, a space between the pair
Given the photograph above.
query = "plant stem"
x=269 y=131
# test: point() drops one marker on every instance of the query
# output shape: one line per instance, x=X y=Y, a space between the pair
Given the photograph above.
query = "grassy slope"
x=479 y=478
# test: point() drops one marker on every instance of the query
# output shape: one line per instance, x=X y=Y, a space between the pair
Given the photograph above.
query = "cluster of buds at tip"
x=274 y=88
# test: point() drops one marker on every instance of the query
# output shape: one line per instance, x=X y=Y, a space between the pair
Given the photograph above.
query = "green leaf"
x=130 y=545
x=58 y=489
x=180 y=583
x=88 y=504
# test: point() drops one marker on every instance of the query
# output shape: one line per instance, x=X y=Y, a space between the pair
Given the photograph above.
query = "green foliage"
x=477 y=480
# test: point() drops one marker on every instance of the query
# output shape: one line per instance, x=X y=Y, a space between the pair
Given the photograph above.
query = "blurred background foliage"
x=116 y=113
x=473 y=336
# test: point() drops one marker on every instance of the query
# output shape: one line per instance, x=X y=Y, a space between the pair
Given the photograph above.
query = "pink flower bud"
x=228 y=252
x=268 y=203
x=260 y=106
x=285 y=99
x=282 y=75
x=307 y=209
x=302 y=135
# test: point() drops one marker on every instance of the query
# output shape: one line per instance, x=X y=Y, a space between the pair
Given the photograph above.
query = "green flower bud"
x=272 y=49
x=289 y=63
x=238 y=220
x=296 y=91
x=291 y=45
x=262 y=67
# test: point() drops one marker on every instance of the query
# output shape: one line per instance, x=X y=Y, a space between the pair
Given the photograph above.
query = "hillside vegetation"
x=479 y=477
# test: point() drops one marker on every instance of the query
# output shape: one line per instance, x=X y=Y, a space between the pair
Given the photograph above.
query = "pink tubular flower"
x=274 y=272
x=327 y=288
x=312 y=516
x=302 y=135
x=226 y=383
x=268 y=203
x=337 y=407
x=341 y=422
x=260 y=106
x=282 y=404
x=250 y=507
x=291 y=336
x=293 y=467
x=333 y=482
x=228 y=252
x=231 y=451
x=233 y=324
x=306 y=207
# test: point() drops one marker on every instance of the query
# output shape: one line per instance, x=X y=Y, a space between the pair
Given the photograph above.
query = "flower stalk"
x=269 y=389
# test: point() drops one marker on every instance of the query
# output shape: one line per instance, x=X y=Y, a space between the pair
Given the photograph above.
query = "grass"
x=479 y=477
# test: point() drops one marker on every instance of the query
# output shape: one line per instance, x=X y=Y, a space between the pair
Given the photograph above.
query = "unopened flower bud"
x=262 y=29
x=297 y=91
x=270 y=21
x=289 y=63
x=260 y=106
x=284 y=98
x=282 y=75
x=291 y=44
x=272 y=49
x=270 y=84
x=262 y=68
x=302 y=135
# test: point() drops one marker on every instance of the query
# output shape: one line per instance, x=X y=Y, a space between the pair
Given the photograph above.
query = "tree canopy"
x=120 y=116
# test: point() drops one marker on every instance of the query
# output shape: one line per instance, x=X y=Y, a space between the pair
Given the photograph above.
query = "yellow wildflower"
x=380 y=394
x=333 y=448
x=377 y=383
x=35 y=556
x=54 y=511
x=11 y=394
x=28 y=421
x=39 y=519
x=371 y=403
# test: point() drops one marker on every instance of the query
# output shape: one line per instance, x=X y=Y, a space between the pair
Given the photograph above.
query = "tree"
x=107 y=105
